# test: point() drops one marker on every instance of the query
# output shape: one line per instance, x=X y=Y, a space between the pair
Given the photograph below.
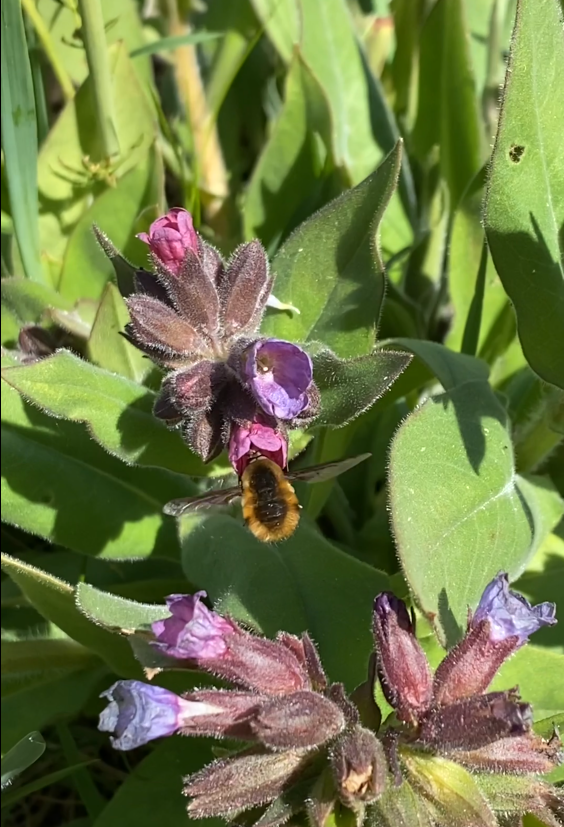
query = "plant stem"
x=94 y=39
x=49 y=48
x=209 y=166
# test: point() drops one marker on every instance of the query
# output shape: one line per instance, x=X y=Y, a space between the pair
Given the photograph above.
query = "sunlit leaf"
x=457 y=513
x=524 y=215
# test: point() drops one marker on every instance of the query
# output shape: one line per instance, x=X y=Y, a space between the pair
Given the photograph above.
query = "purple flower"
x=138 y=713
x=169 y=238
x=402 y=666
x=192 y=631
x=256 y=438
x=509 y=614
x=279 y=375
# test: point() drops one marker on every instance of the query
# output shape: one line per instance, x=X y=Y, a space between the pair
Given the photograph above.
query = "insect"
x=270 y=507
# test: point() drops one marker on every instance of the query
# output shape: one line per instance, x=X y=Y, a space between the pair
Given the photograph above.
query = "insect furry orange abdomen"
x=270 y=507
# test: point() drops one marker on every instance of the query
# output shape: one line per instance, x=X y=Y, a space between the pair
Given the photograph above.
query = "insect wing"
x=175 y=508
x=321 y=473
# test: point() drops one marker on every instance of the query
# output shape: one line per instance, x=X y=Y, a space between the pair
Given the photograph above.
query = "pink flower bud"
x=169 y=238
x=402 y=666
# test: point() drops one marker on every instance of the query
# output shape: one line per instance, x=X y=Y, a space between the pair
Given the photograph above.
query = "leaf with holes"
x=524 y=215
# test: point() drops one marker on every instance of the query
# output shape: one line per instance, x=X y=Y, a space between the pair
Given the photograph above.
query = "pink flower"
x=257 y=437
x=169 y=238
x=192 y=631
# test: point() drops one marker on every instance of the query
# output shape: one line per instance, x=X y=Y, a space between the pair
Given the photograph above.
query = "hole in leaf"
x=516 y=152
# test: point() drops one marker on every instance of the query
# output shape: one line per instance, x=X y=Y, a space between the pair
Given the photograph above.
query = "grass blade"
x=19 y=138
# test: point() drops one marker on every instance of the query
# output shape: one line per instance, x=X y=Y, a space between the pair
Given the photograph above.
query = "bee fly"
x=270 y=507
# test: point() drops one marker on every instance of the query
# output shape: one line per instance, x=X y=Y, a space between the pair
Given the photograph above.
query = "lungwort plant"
x=306 y=255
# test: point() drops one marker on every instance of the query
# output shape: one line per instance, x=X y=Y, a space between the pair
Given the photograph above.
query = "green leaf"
x=539 y=674
x=238 y=572
x=113 y=611
x=57 y=695
x=451 y=369
x=122 y=22
x=457 y=513
x=448 y=113
x=402 y=807
x=55 y=600
x=68 y=180
x=20 y=757
x=546 y=508
x=19 y=138
x=451 y=788
x=281 y=21
x=117 y=411
x=289 y=168
x=107 y=347
x=12 y=796
x=524 y=214
x=543 y=581
x=350 y=387
x=546 y=726
x=467 y=242
x=331 y=269
x=85 y=268
x=20 y=656
x=168 y=44
x=155 y=786
x=58 y=484
x=25 y=301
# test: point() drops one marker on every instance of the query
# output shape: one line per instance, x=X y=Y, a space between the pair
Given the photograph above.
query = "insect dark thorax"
x=270 y=506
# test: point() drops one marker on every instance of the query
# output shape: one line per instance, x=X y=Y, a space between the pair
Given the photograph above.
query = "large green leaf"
x=448 y=112
x=121 y=21
x=107 y=347
x=350 y=387
x=25 y=301
x=86 y=269
x=451 y=369
x=116 y=612
x=281 y=21
x=318 y=587
x=117 y=411
x=457 y=513
x=53 y=698
x=525 y=205
x=539 y=674
x=332 y=270
x=19 y=138
x=68 y=178
x=288 y=169
x=58 y=484
x=55 y=600
x=467 y=243
x=155 y=786
x=543 y=580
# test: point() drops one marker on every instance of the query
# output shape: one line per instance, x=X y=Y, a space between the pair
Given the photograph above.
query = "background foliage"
x=255 y=115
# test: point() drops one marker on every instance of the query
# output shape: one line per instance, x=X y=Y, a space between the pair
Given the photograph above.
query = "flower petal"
x=510 y=614
x=279 y=375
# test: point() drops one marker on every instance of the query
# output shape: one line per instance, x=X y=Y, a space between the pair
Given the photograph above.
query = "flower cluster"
x=197 y=317
x=310 y=748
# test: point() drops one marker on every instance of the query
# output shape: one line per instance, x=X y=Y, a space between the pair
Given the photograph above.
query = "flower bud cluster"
x=197 y=317
x=309 y=747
